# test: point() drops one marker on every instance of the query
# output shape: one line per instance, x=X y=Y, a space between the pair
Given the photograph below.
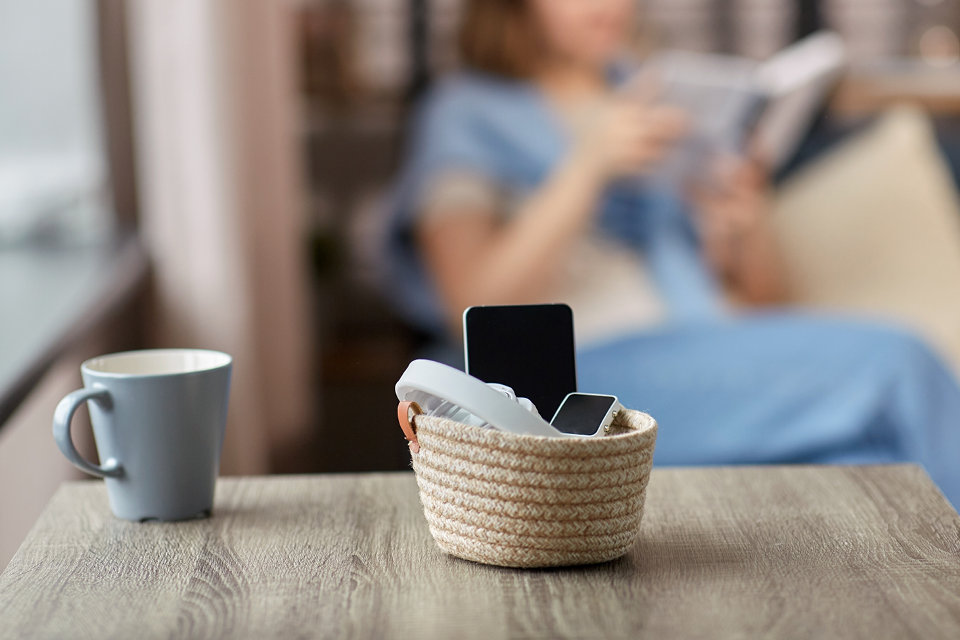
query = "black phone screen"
x=527 y=347
x=582 y=413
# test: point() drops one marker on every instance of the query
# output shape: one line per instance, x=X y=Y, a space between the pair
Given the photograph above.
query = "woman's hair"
x=500 y=36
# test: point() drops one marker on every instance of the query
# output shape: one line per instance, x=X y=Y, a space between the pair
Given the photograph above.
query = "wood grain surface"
x=757 y=552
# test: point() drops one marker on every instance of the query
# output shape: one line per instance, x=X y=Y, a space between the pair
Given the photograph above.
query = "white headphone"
x=430 y=384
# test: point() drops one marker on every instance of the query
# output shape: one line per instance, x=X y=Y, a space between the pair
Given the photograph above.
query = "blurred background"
x=206 y=173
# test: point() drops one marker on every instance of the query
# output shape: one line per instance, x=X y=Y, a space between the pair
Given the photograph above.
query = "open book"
x=737 y=105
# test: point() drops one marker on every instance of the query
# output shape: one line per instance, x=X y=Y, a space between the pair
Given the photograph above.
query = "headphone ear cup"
x=529 y=406
x=504 y=389
x=510 y=393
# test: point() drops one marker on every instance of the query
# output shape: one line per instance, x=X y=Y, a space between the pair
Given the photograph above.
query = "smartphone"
x=585 y=414
x=529 y=348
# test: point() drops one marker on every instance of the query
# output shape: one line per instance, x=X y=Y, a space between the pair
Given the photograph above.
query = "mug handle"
x=61 y=432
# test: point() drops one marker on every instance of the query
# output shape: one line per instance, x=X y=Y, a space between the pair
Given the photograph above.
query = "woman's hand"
x=619 y=136
x=735 y=204
x=738 y=239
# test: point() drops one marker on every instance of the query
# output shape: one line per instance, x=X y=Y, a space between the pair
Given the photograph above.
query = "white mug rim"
x=89 y=366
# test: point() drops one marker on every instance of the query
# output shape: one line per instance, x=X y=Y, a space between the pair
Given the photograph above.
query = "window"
x=53 y=166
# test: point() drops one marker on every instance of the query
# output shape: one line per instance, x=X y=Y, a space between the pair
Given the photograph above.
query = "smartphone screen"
x=527 y=347
x=582 y=414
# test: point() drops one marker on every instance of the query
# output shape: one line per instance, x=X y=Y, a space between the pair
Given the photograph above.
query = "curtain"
x=215 y=110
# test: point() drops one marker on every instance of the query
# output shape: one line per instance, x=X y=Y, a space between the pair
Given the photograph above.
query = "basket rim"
x=543 y=446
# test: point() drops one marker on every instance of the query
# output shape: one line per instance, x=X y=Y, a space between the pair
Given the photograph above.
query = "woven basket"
x=529 y=501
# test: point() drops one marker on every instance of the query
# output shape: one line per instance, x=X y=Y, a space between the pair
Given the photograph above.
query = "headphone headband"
x=473 y=395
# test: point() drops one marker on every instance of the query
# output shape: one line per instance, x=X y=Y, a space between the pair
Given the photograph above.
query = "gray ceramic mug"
x=158 y=420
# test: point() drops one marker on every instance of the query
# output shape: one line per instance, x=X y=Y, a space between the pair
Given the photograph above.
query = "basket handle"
x=406 y=412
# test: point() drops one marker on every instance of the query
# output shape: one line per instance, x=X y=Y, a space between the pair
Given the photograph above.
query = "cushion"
x=873 y=227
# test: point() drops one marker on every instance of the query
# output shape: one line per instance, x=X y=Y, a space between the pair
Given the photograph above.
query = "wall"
x=31 y=466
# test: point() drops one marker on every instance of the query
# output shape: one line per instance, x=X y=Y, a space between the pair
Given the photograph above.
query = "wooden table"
x=774 y=552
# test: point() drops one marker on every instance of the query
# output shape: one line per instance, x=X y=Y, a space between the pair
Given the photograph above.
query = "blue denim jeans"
x=787 y=388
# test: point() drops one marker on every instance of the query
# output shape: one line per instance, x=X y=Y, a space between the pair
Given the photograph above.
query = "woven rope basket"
x=529 y=501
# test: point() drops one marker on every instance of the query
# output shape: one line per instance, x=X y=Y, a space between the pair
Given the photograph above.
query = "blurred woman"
x=525 y=183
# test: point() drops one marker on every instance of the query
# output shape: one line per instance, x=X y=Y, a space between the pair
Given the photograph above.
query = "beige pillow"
x=873 y=227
